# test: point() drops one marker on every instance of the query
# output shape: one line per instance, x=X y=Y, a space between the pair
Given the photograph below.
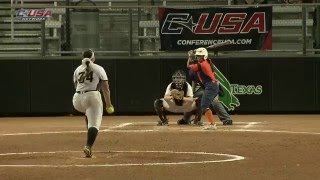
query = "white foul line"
x=120 y=126
x=230 y=158
x=273 y=131
x=41 y=133
x=250 y=124
x=64 y=132
x=161 y=130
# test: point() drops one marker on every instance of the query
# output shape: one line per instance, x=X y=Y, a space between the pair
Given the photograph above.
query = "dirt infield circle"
x=128 y=158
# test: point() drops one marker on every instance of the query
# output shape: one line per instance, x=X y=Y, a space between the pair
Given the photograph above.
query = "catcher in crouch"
x=178 y=98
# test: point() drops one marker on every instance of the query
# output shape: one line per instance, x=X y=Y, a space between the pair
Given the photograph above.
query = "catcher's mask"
x=179 y=78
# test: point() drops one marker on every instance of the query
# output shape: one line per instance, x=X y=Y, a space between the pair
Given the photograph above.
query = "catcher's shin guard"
x=198 y=112
x=158 y=106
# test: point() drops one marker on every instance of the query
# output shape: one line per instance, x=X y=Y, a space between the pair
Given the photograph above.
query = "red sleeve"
x=206 y=69
x=194 y=67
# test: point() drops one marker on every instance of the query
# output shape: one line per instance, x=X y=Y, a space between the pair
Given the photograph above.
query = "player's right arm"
x=106 y=93
x=104 y=84
x=190 y=56
x=189 y=61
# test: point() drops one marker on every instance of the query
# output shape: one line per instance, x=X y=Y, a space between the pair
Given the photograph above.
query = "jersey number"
x=84 y=76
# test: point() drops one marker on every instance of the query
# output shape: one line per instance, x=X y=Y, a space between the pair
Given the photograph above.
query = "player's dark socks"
x=92 y=134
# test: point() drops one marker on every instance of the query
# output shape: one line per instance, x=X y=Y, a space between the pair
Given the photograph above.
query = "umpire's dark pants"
x=216 y=106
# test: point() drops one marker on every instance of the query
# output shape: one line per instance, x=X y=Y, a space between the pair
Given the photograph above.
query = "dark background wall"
x=45 y=87
x=252 y=72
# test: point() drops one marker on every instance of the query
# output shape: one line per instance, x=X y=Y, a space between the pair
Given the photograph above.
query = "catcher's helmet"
x=202 y=52
x=179 y=78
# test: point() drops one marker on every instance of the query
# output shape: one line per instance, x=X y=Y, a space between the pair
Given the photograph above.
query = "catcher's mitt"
x=176 y=94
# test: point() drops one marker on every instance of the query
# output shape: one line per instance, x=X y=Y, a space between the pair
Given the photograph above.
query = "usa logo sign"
x=245 y=28
x=33 y=14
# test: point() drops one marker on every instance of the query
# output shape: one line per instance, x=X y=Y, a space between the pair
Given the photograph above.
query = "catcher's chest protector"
x=184 y=89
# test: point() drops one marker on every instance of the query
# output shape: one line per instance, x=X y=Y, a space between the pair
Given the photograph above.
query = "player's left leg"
x=209 y=94
x=91 y=137
x=94 y=114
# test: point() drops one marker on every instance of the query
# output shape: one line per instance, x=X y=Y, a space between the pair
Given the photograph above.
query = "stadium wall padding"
x=44 y=86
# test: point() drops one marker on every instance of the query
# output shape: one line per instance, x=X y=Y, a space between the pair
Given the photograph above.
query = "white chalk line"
x=168 y=129
x=43 y=133
x=229 y=157
x=218 y=123
x=250 y=124
x=119 y=126
x=177 y=130
x=275 y=131
x=64 y=132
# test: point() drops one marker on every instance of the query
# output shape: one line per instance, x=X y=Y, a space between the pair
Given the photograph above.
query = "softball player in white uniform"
x=89 y=78
x=169 y=103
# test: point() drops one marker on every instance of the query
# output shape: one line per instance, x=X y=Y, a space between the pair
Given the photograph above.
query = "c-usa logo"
x=172 y=22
